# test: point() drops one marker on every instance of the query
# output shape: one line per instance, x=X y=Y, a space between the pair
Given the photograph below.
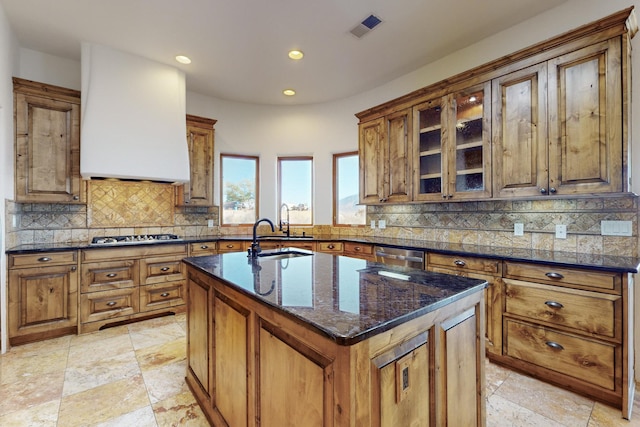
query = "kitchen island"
x=325 y=340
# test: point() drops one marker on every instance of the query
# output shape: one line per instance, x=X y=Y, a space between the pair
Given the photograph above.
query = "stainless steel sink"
x=285 y=253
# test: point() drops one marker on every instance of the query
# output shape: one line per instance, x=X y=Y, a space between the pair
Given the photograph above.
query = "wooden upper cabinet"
x=452 y=146
x=557 y=125
x=199 y=190
x=47 y=143
x=385 y=159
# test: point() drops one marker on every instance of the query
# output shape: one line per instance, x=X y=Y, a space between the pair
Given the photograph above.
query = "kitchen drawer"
x=462 y=263
x=358 y=250
x=232 y=246
x=203 y=248
x=161 y=269
x=590 y=312
x=563 y=276
x=162 y=295
x=591 y=361
x=134 y=251
x=106 y=305
x=331 y=247
x=310 y=246
x=107 y=275
x=43 y=259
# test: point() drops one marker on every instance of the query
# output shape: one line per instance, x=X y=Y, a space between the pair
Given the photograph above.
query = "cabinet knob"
x=164 y=294
x=44 y=259
x=553 y=275
x=554 y=345
x=459 y=263
x=357 y=248
x=230 y=246
x=74 y=268
x=111 y=303
x=111 y=275
x=331 y=247
x=543 y=190
x=382 y=200
x=554 y=304
x=76 y=197
x=164 y=269
x=552 y=190
x=204 y=247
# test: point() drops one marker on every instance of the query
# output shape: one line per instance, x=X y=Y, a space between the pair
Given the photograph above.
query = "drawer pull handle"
x=459 y=263
x=357 y=248
x=164 y=269
x=230 y=246
x=204 y=247
x=554 y=304
x=331 y=247
x=111 y=275
x=554 y=345
x=44 y=259
x=164 y=294
x=553 y=275
x=111 y=303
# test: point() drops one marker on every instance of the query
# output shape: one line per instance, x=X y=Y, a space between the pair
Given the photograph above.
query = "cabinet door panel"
x=430 y=135
x=199 y=321
x=371 y=161
x=520 y=133
x=585 y=113
x=397 y=186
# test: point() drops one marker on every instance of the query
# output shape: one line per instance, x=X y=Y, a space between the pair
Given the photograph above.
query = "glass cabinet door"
x=469 y=145
x=428 y=148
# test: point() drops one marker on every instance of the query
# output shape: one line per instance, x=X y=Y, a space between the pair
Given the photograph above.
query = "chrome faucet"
x=284 y=205
x=255 y=245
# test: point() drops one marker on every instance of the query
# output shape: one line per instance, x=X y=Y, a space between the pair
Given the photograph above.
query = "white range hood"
x=133 y=118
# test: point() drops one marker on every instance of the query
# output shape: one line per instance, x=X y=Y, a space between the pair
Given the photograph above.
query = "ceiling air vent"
x=368 y=24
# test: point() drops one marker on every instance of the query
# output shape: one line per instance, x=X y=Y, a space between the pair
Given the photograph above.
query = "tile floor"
x=134 y=376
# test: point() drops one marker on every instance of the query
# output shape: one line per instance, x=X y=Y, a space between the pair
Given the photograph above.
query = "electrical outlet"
x=210 y=223
x=382 y=224
x=518 y=229
x=373 y=224
x=561 y=231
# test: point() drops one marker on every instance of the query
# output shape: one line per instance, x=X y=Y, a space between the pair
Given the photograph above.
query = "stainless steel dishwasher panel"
x=397 y=256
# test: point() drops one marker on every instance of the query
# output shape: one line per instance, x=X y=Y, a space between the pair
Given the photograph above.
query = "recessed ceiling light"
x=296 y=54
x=289 y=92
x=183 y=59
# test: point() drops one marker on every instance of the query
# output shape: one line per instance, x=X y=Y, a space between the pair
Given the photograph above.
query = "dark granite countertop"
x=345 y=299
x=617 y=264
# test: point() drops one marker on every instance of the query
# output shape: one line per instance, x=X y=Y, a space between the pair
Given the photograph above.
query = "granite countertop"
x=345 y=299
x=617 y=264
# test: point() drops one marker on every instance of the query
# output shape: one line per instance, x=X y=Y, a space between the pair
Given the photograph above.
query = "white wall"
x=8 y=59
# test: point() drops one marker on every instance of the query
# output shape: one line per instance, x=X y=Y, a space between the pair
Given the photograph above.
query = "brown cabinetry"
x=200 y=140
x=232 y=246
x=330 y=247
x=203 y=248
x=568 y=326
x=385 y=158
x=477 y=268
x=47 y=143
x=359 y=250
x=557 y=125
x=43 y=296
x=120 y=284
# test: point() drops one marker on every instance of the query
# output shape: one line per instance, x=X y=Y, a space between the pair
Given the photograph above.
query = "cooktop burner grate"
x=135 y=239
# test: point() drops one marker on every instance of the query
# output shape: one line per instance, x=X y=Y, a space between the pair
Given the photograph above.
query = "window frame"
x=256 y=183
x=311 y=207
x=336 y=158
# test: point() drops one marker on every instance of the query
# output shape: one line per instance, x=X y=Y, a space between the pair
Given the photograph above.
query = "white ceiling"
x=239 y=47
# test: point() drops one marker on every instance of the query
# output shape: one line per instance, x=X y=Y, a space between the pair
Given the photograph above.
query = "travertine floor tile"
x=155 y=334
x=182 y=410
x=17 y=366
x=31 y=392
x=143 y=417
x=495 y=375
x=81 y=377
x=93 y=352
x=44 y=415
x=504 y=413
x=166 y=381
x=159 y=355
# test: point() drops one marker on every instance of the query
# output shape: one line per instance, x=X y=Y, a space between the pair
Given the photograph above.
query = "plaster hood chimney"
x=133 y=118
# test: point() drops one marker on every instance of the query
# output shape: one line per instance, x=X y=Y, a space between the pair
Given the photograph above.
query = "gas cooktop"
x=134 y=239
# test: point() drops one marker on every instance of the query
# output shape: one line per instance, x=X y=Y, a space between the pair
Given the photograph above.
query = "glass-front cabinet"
x=452 y=146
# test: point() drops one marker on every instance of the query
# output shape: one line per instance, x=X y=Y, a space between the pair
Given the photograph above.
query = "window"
x=239 y=189
x=295 y=178
x=346 y=193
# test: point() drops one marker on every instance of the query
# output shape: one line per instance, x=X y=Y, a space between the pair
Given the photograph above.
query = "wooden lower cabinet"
x=43 y=296
x=570 y=326
x=232 y=245
x=359 y=250
x=249 y=365
x=203 y=248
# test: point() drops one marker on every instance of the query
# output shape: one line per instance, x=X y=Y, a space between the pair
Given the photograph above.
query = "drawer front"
x=162 y=269
x=103 y=276
x=203 y=248
x=358 y=248
x=134 y=251
x=105 y=305
x=162 y=295
x=232 y=246
x=563 y=276
x=43 y=259
x=310 y=246
x=591 y=361
x=329 y=246
x=463 y=263
x=590 y=312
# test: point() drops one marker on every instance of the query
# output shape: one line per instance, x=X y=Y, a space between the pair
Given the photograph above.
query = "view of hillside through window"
x=295 y=179
x=239 y=189
x=346 y=190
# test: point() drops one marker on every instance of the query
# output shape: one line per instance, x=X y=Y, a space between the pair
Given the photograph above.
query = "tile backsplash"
x=481 y=223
